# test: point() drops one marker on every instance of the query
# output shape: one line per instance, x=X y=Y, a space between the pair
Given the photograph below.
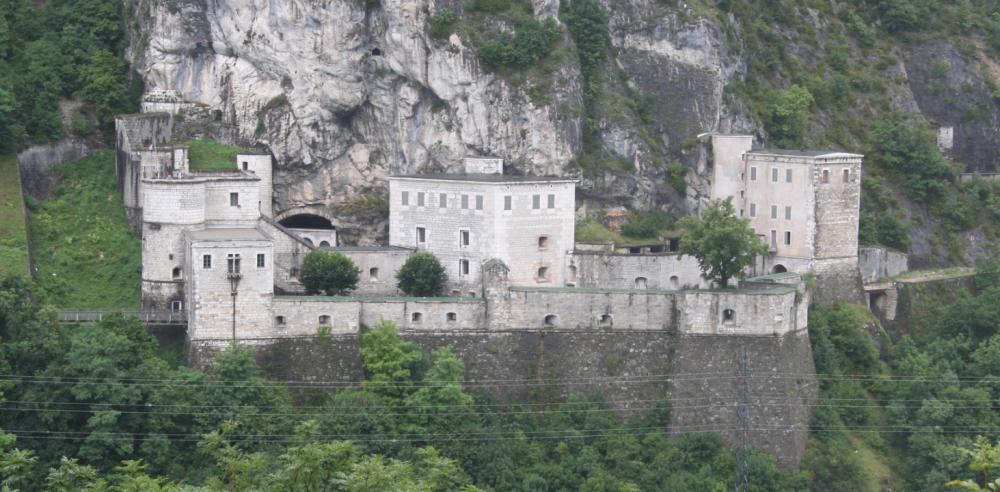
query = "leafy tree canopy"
x=422 y=275
x=328 y=273
x=723 y=244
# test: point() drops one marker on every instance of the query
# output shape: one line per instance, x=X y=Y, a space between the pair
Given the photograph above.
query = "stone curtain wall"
x=774 y=312
x=134 y=133
x=580 y=309
x=878 y=262
x=596 y=269
x=632 y=368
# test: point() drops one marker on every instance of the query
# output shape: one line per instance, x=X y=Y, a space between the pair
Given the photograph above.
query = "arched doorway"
x=779 y=268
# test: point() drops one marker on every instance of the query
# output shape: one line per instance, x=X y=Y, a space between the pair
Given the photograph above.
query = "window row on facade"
x=233 y=262
x=465 y=201
x=776 y=175
x=775 y=209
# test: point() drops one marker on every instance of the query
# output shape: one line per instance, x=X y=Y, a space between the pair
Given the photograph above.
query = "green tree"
x=332 y=274
x=422 y=275
x=985 y=459
x=723 y=244
x=907 y=148
x=389 y=360
x=787 y=116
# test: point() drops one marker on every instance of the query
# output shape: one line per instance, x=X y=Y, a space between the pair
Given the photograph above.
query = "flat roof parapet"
x=485 y=178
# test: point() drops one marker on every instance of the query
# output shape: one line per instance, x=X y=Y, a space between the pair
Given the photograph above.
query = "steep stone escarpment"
x=344 y=96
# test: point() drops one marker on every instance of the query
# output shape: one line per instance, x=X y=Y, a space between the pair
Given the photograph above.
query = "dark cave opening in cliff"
x=307 y=221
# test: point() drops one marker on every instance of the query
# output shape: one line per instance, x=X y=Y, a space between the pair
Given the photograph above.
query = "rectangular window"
x=420 y=199
x=788 y=237
x=753 y=174
x=788 y=175
x=552 y=201
x=234 y=199
x=206 y=262
x=774 y=211
x=463 y=267
x=774 y=174
x=788 y=213
x=508 y=202
x=233 y=263
x=847 y=175
x=825 y=178
x=479 y=202
x=421 y=235
x=405 y=198
x=463 y=238
x=176 y=306
x=774 y=238
x=536 y=201
x=753 y=209
x=465 y=201
x=443 y=200
x=260 y=260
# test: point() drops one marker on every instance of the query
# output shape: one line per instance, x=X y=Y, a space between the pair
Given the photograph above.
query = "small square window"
x=774 y=174
x=753 y=174
x=405 y=198
x=788 y=175
x=373 y=273
x=536 y=201
x=279 y=320
x=451 y=317
x=234 y=199
x=206 y=262
x=552 y=201
x=508 y=202
x=420 y=199
x=465 y=202
x=176 y=306
x=479 y=202
x=417 y=317
x=260 y=260
x=443 y=200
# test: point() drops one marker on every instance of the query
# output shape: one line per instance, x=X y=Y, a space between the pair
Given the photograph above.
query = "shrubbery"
x=422 y=275
x=907 y=148
x=329 y=273
x=532 y=41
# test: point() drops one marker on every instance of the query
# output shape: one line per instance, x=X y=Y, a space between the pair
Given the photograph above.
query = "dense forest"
x=101 y=405
x=62 y=71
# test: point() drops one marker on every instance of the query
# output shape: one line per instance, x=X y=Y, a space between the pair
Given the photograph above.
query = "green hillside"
x=83 y=249
x=13 y=235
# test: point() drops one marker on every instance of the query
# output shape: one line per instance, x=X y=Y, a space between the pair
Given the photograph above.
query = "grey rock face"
x=343 y=96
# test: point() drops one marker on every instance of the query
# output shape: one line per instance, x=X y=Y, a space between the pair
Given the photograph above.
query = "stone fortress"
x=524 y=299
x=212 y=248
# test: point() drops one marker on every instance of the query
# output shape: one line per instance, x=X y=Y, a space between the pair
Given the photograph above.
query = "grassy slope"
x=206 y=154
x=13 y=234
x=85 y=254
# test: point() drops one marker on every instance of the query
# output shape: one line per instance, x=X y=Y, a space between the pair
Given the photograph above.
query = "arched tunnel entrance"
x=313 y=229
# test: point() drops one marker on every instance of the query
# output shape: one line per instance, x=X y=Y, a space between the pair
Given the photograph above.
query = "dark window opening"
x=606 y=321
x=279 y=320
x=206 y=262
x=451 y=317
x=233 y=263
x=417 y=317
x=551 y=321
x=176 y=273
x=779 y=268
x=373 y=273
x=324 y=244
x=176 y=306
x=640 y=282
x=324 y=319
x=260 y=260
x=376 y=52
x=728 y=315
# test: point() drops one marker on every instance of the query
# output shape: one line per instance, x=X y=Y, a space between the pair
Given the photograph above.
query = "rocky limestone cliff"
x=345 y=92
x=344 y=96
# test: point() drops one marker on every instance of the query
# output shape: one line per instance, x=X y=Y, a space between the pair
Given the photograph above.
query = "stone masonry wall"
x=878 y=262
x=632 y=368
x=617 y=271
